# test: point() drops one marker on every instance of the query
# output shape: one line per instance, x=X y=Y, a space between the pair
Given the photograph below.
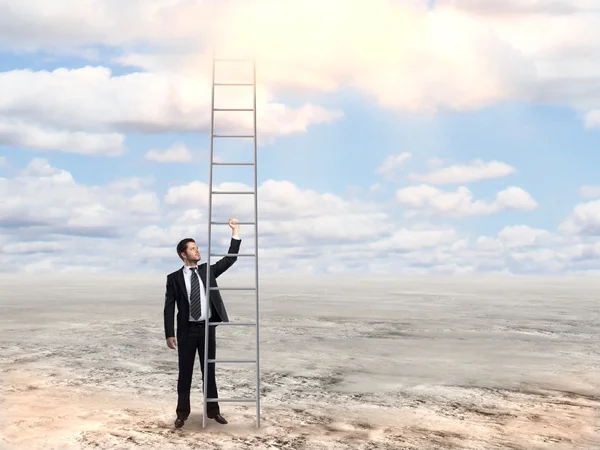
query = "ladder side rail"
x=207 y=287
x=255 y=255
x=256 y=248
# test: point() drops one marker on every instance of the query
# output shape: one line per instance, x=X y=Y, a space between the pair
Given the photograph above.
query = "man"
x=186 y=288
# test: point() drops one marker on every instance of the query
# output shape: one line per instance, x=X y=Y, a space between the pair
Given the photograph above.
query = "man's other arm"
x=169 y=314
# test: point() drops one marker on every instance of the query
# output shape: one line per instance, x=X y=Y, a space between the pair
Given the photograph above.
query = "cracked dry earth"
x=345 y=364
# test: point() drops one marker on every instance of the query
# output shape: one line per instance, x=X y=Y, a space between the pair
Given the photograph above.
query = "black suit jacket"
x=176 y=294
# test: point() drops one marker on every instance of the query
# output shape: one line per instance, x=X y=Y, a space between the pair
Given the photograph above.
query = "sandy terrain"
x=473 y=363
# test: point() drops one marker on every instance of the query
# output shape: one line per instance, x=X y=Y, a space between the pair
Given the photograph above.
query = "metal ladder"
x=211 y=192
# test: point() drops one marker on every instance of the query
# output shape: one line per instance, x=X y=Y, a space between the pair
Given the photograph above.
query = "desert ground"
x=346 y=363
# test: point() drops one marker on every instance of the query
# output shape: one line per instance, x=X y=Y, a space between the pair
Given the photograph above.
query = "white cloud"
x=40 y=170
x=521 y=249
x=450 y=57
x=94 y=100
x=131 y=184
x=65 y=25
x=22 y=134
x=288 y=120
x=515 y=199
x=48 y=198
x=408 y=240
x=592 y=119
x=424 y=199
x=522 y=7
x=478 y=170
x=194 y=194
x=33 y=247
x=280 y=198
x=178 y=152
x=435 y=163
x=488 y=244
x=520 y=236
x=391 y=163
x=185 y=223
x=293 y=221
x=403 y=56
x=471 y=66
x=590 y=191
x=459 y=55
x=566 y=72
x=56 y=220
x=583 y=220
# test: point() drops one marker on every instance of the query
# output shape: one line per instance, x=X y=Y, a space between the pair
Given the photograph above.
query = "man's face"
x=192 y=253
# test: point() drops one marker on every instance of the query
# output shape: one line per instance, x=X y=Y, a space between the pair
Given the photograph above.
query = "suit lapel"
x=181 y=281
x=202 y=272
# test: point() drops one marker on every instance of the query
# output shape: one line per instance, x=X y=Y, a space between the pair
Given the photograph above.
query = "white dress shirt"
x=187 y=276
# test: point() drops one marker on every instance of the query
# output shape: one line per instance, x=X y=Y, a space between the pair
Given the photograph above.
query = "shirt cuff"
x=236 y=237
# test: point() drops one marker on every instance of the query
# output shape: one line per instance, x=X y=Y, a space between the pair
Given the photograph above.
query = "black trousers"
x=187 y=358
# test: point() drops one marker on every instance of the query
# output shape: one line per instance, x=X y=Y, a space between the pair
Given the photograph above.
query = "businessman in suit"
x=186 y=288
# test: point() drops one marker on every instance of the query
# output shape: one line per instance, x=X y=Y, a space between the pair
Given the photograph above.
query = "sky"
x=397 y=137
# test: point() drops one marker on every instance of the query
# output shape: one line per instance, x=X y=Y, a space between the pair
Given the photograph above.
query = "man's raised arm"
x=226 y=262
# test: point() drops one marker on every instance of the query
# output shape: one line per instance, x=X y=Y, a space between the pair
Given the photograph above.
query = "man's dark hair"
x=182 y=246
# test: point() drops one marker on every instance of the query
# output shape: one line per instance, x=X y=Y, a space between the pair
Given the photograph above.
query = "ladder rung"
x=232 y=192
x=233 y=254
x=233 y=361
x=242 y=324
x=232 y=400
x=233 y=109
x=240 y=136
x=234 y=84
x=232 y=289
x=227 y=223
x=233 y=163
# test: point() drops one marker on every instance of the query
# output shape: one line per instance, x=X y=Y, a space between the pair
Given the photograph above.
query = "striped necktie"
x=196 y=310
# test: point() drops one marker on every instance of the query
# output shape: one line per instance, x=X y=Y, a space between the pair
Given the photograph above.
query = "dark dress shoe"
x=179 y=422
x=217 y=416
